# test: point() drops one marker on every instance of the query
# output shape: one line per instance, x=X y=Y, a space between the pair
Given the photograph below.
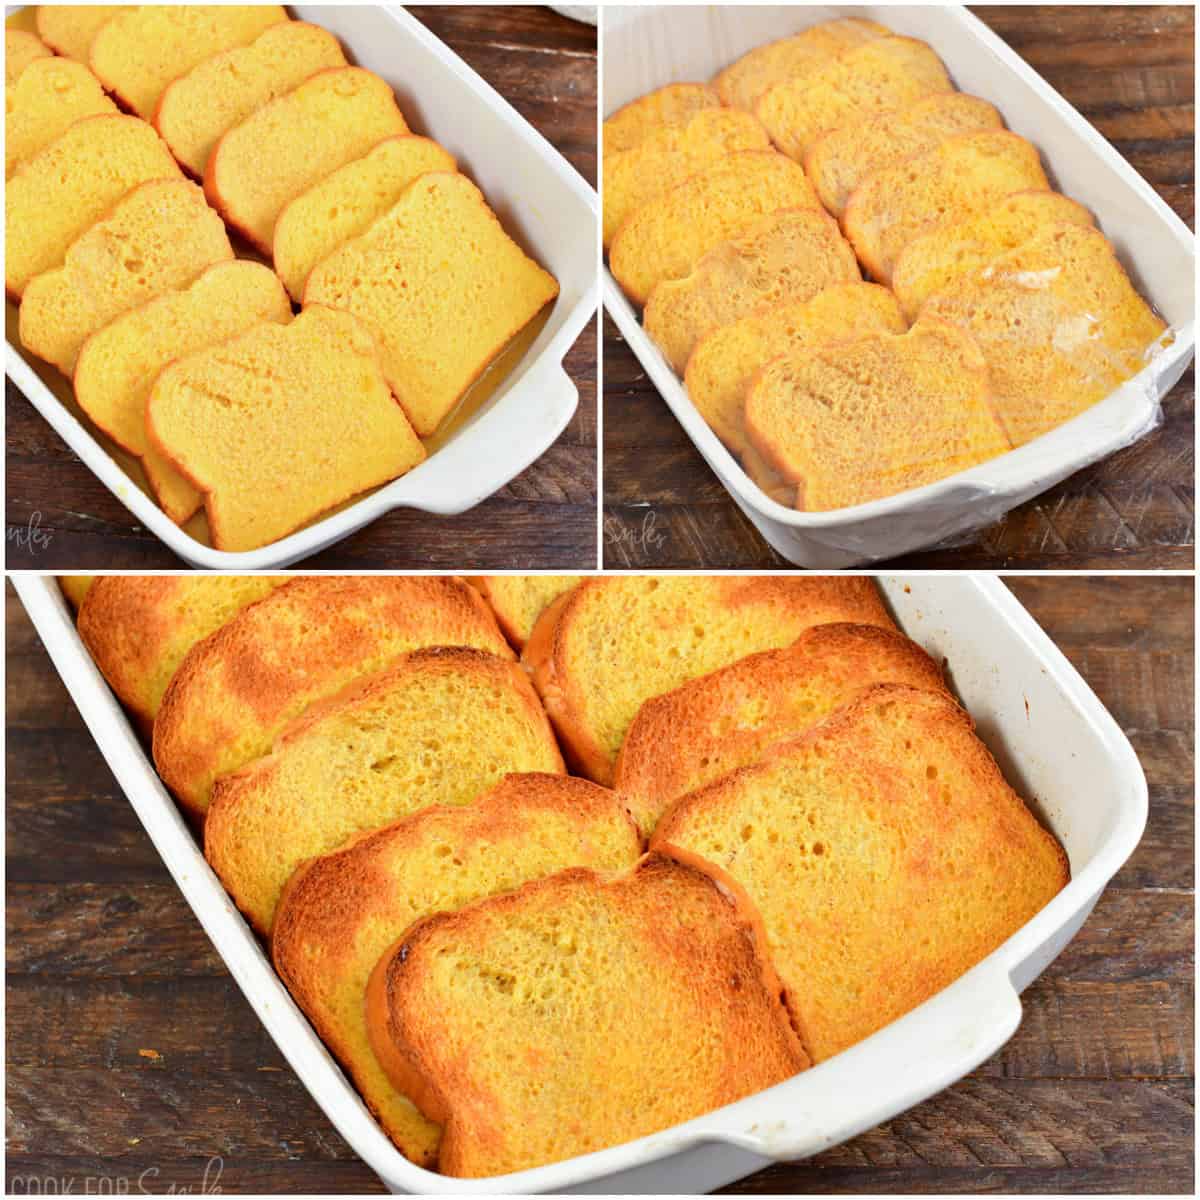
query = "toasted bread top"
x=518 y=600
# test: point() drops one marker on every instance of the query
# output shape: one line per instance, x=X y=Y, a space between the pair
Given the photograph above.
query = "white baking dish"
x=1056 y=743
x=645 y=48
x=542 y=201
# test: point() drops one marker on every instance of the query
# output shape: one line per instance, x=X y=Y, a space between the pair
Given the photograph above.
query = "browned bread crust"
x=519 y=600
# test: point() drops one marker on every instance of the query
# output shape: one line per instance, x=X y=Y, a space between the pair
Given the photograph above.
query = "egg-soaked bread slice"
x=694 y=1001
x=790 y=255
x=340 y=912
x=518 y=600
x=766 y=478
x=886 y=854
x=669 y=106
x=20 y=49
x=70 y=29
x=602 y=650
x=75 y=588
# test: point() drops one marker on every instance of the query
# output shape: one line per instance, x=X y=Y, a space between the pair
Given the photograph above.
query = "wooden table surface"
x=1130 y=71
x=131 y=1050
x=545 y=66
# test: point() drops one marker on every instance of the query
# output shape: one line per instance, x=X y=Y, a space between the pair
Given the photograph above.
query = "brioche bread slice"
x=857 y=421
x=838 y=161
x=237 y=689
x=141 y=49
x=667 y=237
x=959 y=177
x=138 y=628
x=790 y=255
x=54 y=198
x=70 y=29
x=159 y=236
x=75 y=588
x=933 y=261
x=892 y=801
x=50 y=96
x=881 y=75
x=438 y=726
x=1058 y=322
x=669 y=106
x=119 y=363
x=518 y=600
x=684 y=740
x=279 y=424
x=465 y=290
x=340 y=912
x=331 y=119
x=726 y=359
x=20 y=49
x=594 y=989
x=347 y=202
x=660 y=161
x=792 y=58
x=603 y=649
x=198 y=108
x=766 y=478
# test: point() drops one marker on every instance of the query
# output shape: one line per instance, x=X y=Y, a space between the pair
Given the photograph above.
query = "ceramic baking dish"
x=645 y=48
x=1057 y=745
x=544 y=204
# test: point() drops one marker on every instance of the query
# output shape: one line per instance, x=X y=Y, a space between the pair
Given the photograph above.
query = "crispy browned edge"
x=504 y=618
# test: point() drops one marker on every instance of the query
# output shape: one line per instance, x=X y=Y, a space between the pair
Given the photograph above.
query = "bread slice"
x=602 y=650
x=932 y=262
x=20 y=49
x=790 y=255
x=884 y=74
x=119 y=363
x=667 y=237
x=64 y=189
x=669 y=106
x=727 y=358
x=466 y=290
x=75 y=588
x=686 y=739
x=340 y=912
x=518 y=600
x=742 y=83
x=51 y=95
x=347 y=202
x=159 y=236
x=857 y=421
x=138 y=628
x=766 y=478
x=961 y=176
x=196 y=109
x=279 y=424
x=70 y=29
x=331 y=119
x=894 y=801
x=143 y=48
x=593 y=989
x=838 y=161
x=634 y=177
x=1059 y=324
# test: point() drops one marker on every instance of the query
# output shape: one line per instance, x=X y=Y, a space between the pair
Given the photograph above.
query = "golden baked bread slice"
x=933 y=261
x=686 y=739
x=792 y=58
x=886 y=854
x=958 y=178
x=881 y=75
x=20 y=49
x=1058 y=322
x=635 y=177
x=196 y=109
x=838 y=161
x=119 y=363
x=441 y=286
x=141 y=49
x=340 y=912
x=75 y=588
x=236 y=690
x=70 y=29
x=347 y=202
x=669 y=106
x=790 y=255
x=279 y=424
x=602 y=650
x=138 y=628
x=629 y=980
x=159 y=236
x=727 y=358
x=667 y=237
x=766 y=478
x=518 y=600
x=331 y=119
x=857 y=421
x=63 y=190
